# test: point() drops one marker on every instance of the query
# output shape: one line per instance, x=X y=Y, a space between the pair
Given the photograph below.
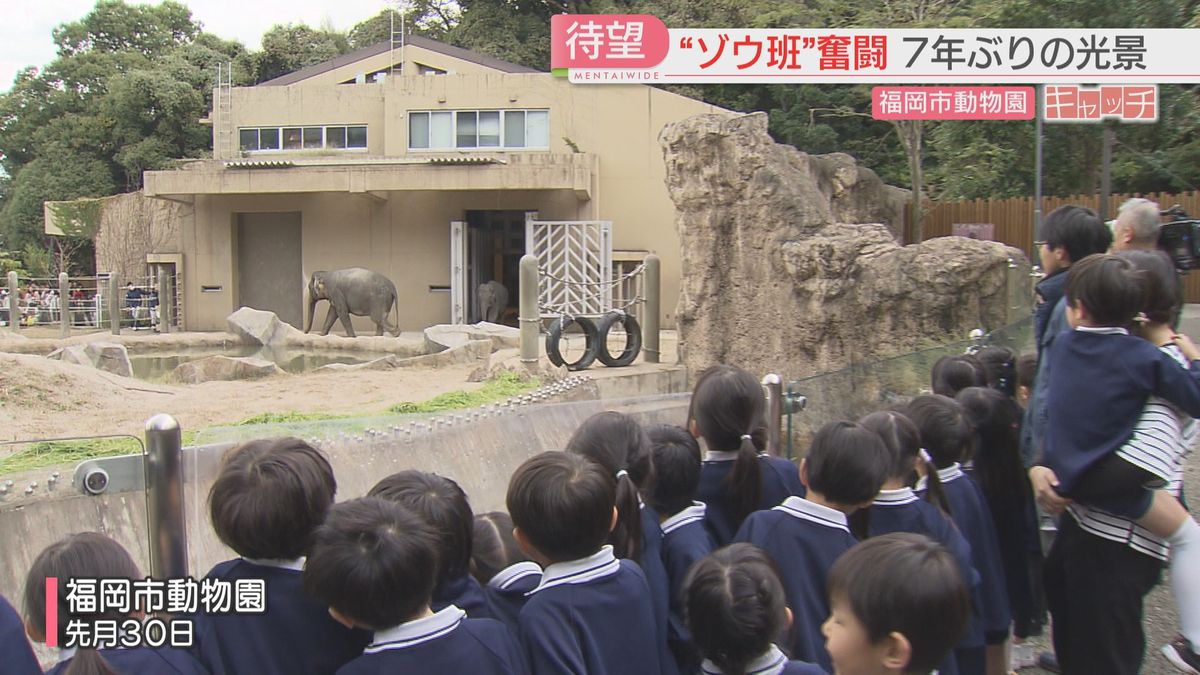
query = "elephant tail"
x=395 y=328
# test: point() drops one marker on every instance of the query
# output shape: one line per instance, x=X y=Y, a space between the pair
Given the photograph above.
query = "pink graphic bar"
x=51 y=611
x=952 y=103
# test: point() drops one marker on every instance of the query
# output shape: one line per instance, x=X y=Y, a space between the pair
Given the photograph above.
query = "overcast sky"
x=25 y=36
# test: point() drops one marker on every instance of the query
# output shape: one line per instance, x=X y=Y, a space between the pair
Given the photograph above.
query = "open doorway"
x=495 y=244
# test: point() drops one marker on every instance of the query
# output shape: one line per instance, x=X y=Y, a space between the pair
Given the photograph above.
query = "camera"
x=1179 y=238
x=95 y=481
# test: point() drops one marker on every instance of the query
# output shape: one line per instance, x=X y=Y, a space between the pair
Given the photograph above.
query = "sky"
x=25 y=36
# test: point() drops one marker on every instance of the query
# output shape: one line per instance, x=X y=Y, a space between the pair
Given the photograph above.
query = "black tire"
x=633 y=339
x=555 y=335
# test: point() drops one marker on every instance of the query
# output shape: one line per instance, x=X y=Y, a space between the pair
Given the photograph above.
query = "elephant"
x=353 y=290
x=492 y=298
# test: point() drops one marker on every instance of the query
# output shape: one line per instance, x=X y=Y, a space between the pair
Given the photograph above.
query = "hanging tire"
x=633 y=339
x=554 y=336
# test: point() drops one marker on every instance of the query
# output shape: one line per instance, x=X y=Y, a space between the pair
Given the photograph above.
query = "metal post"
x=650 y=325
x=1106 y=171
x=530 y=316
x=14 y=302
x=164 y=287
x=774 y=386
x=114 y=303
x=164 y=498
x=1039 y=93
x=64 y=303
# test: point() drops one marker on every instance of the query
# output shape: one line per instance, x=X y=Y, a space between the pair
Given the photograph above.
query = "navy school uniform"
x=507 y=591
x=591 y=616
x=140 y=661
x=780 y=480
x=774 y=662
x=686 y=539
x=295 y=636
x=804 y=539
x=464 y=593
x=15 y=652
x=446 y=643
x=656 y=576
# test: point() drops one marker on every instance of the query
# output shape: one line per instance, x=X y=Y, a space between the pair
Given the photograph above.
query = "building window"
x=334 y=137
x=469 y=129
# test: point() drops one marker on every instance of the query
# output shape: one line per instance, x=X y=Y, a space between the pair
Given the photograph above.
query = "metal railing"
x=91 y=303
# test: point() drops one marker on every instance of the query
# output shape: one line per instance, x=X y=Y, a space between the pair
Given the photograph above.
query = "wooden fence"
x=1013 y=219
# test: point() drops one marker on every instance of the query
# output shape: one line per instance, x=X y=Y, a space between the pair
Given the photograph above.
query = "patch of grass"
x=500 y=387
x=49 y=453
x=290 y=417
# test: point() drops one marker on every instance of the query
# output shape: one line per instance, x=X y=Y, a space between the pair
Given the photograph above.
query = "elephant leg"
x=330 y=317
x=345 y=317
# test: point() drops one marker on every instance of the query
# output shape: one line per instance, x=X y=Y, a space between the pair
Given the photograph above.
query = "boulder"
x=502 y=337
x=111 y=357
x=446 y=336
x=790 y=264
x=261 y=328
x=471 y=351
x=223 y=368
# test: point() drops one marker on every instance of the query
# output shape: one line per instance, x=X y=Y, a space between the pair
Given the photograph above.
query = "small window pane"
x=335 y=137
x=489 y=129
x=537 y=129
x=440 y=130
x=248 y=139
x=466 y=132
x=268 y=139
x=418 y=130
x=514 y=129
x=291 y=138
x=356 y=137
x=312 y=138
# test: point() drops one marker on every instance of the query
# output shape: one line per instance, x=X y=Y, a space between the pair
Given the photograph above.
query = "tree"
x=288 y=48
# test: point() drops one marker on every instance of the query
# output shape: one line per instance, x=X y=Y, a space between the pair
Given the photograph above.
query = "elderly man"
x=1136 y=226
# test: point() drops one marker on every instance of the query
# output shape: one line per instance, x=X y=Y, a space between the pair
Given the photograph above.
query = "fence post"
x=164 y=288
x=650 y=324
x=14 y=304
x=530 y=317
x=774 y=386
x=114 y=303
x=164 y=498
x=64 y=303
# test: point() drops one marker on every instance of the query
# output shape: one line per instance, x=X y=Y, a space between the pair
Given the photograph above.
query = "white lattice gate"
x=575 y=265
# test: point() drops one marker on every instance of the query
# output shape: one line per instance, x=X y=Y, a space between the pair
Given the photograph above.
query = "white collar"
x=600 y=564
x=296 y=565
x=66 y=653
x=944 y=476
x=904 y=495
x=720 y=455
x=411 y=633
x=770 y=663
x=509 y=575
x=690 y=514
x=1103 y=330
x=803 y=509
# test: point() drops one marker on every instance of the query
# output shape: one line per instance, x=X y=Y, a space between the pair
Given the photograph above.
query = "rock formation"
x=787 y=269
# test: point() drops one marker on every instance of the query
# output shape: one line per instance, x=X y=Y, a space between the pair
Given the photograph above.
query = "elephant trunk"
x=312 y=310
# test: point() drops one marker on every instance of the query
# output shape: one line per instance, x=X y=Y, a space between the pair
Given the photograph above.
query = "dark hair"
x=1000 y=367
x=269 y=496
x=908 y=584
x=728 y=407
x=493 y=546
x=1109 y=287
x=998 y=466
x=1078 y=230
x=563 y=504
x=847 y=463
x=443 y=505
x=617 y=443
x=734 y=606
x=903 y=442
x=1161 y=284
x=677 y=468
x=375 y=561
x=953 y=373
x=946 y=434
x=1027 y=369
x=83 y=555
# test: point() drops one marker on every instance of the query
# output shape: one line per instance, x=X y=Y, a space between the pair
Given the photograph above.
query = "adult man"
x=1137 y=225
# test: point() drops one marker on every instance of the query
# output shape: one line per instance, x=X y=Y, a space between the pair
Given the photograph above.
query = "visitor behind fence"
x=505 y=571
x=374 y=562
x=727 y=411
x=268 y=499
x=15 y=653
x=843 y=471
x=91 y=555
x=592 y=612
x=735 y=606
x=899 y=606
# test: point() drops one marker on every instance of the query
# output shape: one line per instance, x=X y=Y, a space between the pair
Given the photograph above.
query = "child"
x=375 y=564
x=592 y=613
x=686 y=538
x=1000 y=369
x=899 y=605
x=947 y=437
x=953 y=373
x=727 y=410
x=15 y=653
x=91 y=555
x=842 y=472
x=1026 y=373
x=734 y=603
x=443 y=504
x=267 y=500
x=497 y=563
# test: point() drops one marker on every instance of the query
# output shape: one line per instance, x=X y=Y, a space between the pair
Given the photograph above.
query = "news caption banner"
x=92 y=604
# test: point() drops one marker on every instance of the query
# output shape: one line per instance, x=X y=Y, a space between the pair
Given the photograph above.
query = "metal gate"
x=574 y=264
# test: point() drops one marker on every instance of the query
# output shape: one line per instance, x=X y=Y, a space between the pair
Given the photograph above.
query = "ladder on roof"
x=223 y=106
x=401 y=7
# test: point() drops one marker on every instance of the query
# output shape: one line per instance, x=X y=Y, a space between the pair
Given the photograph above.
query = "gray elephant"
x=492 y=298
x=353 y=290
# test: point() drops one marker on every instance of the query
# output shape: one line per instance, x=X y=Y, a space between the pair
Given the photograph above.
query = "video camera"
x=1180 y=239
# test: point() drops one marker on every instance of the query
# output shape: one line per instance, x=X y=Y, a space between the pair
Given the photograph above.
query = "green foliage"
x=51 y=453
x=78 y=218
x=9 y=262
x=500 y=387
x=288 y=48
x=290 y=417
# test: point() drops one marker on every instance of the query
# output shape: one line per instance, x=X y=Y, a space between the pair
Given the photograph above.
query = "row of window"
x=427 y=130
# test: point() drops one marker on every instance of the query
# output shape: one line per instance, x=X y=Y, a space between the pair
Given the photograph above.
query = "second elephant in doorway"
x=492 y=299
x=356 y=291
